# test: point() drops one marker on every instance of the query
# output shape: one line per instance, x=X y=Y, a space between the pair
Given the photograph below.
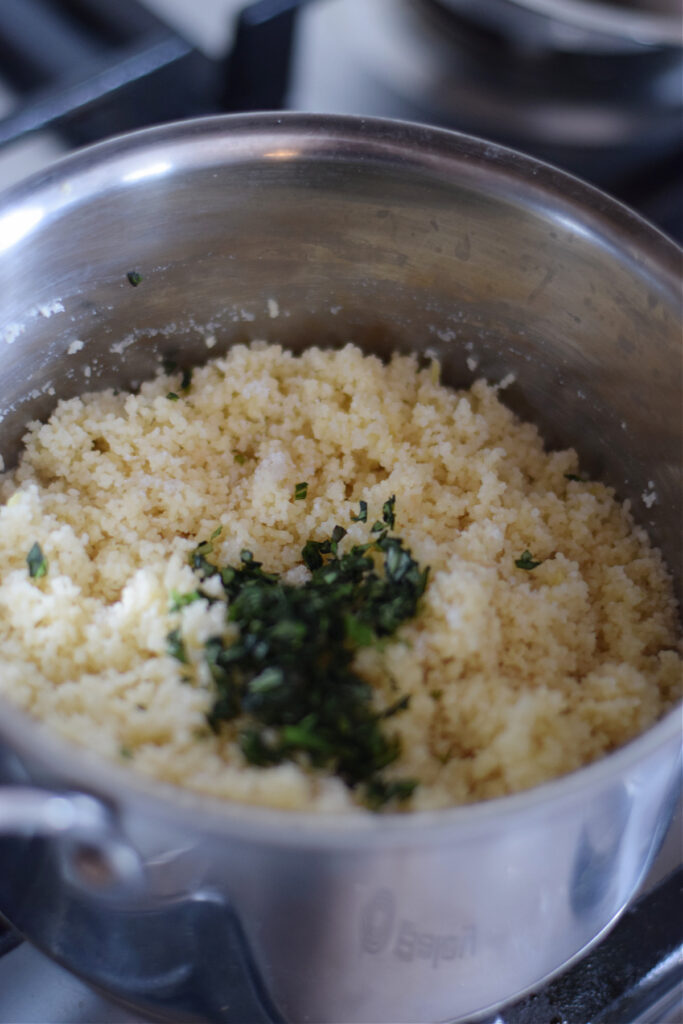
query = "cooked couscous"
x=546 y=635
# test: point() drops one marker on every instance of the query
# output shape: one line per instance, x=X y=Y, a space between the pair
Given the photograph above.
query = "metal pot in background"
x=595 y=88
x=618 y=26
x=399 y=237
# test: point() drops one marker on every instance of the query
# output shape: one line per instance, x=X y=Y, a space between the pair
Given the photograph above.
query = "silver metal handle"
x=95 y=854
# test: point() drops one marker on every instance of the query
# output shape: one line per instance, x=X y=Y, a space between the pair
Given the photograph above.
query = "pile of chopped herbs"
x=289 y=677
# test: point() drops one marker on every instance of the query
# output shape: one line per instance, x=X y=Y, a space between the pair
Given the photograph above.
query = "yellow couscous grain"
x=515 y=676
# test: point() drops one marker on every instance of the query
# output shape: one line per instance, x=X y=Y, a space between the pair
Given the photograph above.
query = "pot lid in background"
x=611 y=115
x=619 y=25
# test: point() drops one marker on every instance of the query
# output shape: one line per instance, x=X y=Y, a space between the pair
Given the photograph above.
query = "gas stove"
x=74 y=71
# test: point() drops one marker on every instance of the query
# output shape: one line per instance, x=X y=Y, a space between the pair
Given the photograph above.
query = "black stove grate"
x=90 y=69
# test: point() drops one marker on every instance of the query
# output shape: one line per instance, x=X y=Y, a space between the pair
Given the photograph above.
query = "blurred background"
x=596 y=88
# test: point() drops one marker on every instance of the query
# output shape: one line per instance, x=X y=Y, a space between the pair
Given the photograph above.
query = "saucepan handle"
x=96 y=854
x=180 y=953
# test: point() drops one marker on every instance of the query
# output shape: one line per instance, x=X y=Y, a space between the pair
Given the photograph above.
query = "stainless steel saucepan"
x=399 y=237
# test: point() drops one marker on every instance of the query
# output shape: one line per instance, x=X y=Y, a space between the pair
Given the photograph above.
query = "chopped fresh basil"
x=134 y=278
x=362 y=516
x=175 y=646
x=37 y=562
x=197 y=557
x=313 y=551
x=240 y=459
x=337 y=534
x=300 y=491
x=289 y=678
x=186 y=380
x=388 y=512
x=179 y=601
x=526 y=561
x=379 y=792
x=172 y=397
x=358 y=633
x=399 y=705
x=270 y=679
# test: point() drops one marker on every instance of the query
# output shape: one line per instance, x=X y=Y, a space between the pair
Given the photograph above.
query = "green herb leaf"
x=179 y=600
x=172 y=397
x=289 y=676
x=388 y=514
x=268 y=680
x=304 y=737
x=186 y=380
x=134 y=278
x=125 y=752
x=362 y=516
x=313 y=551
x=240 y=459
x=337 y=534
x=37 y=562
x=175 y=646
x=358 y=633
x=216 y=533
x=257 y=750
x=300 y=491
x=198 y=560
x=399 y=705
x=378 y=793
x=526 y=561
x=573 y=476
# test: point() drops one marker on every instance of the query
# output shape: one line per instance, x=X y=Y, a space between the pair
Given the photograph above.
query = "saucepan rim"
x=329 y=137
x=215 y=140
